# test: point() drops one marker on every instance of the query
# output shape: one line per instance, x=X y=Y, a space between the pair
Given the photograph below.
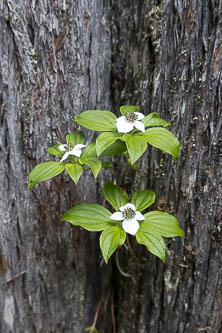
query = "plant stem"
x=96 y=314
x=120 y=269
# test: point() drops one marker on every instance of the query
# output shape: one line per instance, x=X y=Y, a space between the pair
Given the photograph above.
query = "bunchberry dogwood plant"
x=148 y=228
x=77 y=160
x=127 y=134
x=79 y=157
x=133 y=128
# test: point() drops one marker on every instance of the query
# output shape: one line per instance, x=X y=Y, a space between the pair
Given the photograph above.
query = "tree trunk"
x=58 y=58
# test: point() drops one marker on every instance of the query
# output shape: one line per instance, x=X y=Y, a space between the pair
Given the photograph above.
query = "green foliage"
x=136 y=146
x=163 y=223
x=74 y=170
x=129 y=108
x=163 y=139
x=92 y=329
x=92 y=217
x=156 y=225
x=109 y=240
x=97 y=120
x=114 y=149
x=143 y=199
x=105 y=140
x=94 y=164
x=49 y=170
x=153 y=119
x=115 y=195
x=54 y=150
x=45 y=171
x=135 y=142
x=90 y=150
x=76 y=137
x=153 y=242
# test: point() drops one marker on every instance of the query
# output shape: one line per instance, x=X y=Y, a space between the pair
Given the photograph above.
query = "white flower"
x=71 y=149
x=127 y=123
x=130 y=218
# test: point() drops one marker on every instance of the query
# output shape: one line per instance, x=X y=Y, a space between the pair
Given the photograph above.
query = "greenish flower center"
x=131 y=117
x=129 y=213
x=69 y=146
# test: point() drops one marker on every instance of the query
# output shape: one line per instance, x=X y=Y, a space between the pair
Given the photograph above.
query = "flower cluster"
x=71 y=149
x=126 y=124
x=130 y=218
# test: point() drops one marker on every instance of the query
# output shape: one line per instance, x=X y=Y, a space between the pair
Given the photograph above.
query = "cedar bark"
x=58 y=58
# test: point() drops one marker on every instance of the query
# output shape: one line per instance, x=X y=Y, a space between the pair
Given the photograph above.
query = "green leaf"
x=92 y=217
x=110 y=238
x=153 y=242
x=77 y=137
x=163 y=139
x=153 y=119
x=45 y=171
x=92 y=329
x=115 y=195
x=54 y=150
x=74 y=170
x=129 y=108
x=143 y=199
x=116 y=148
x=163 y=223
x=105 y=140
x=136 y=145
x=90 y=150
x=97 y=120
x=94 y=164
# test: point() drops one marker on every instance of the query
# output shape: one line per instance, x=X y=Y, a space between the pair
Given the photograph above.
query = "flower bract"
x=130 y=218
x=71 y=149
x=127 y=123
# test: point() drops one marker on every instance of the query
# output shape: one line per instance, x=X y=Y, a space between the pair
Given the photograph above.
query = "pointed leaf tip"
x=142 y=199
x=94 y=163
x=109 y=240
x=115 y=195
x=136 y=146
x=164 y=140
x=153 y=242
x=163 y=223
x=74 y=170
x=77 y=137
x=45 y=171
x=129 y=108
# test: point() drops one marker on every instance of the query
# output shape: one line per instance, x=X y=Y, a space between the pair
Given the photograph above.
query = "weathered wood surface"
x=170 y=61
x=53 y=61
x=58 y=58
